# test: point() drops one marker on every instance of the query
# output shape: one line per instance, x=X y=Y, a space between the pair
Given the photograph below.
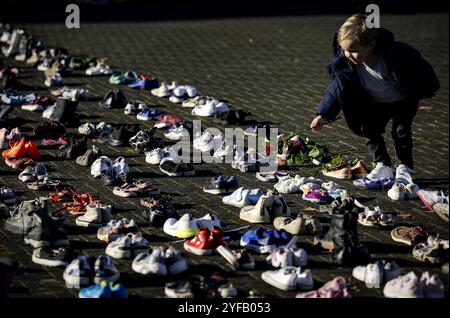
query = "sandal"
x=151 y=202
x=375 y=218
x=409 y=235
x=434 y=251
x=43 y=185
x=141 y=141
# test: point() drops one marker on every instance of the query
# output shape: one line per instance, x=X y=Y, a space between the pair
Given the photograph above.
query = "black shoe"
x=107 y=179
x=231 y=117
x=53 y=257
x=112 y=99
x=39 y=235
x=65 y=110
x=49 y=130
x=169 y=167
x=58 y=236
x=73 y=149
x=158 y=214
x=115 y=138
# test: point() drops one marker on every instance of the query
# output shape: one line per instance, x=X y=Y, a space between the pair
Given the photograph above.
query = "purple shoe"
x=377 y=184
x=144 y=83
x=318 y=197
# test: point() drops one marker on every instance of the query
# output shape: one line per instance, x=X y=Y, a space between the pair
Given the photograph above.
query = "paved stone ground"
x=272 y=67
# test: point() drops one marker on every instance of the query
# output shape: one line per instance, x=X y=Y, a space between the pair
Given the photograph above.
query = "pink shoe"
x=167 y=121
x=336 y=288
x=53 y=142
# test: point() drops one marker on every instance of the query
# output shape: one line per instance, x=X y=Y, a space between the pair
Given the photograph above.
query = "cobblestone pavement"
x=273 y=67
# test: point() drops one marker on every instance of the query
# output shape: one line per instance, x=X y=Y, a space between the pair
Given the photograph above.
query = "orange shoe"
x=16 y=150
x=31 y=150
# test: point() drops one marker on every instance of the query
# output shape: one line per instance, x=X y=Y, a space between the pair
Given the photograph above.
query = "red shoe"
x=17 y=149
x=200 y=244
x=31 y=150
x=216 y=237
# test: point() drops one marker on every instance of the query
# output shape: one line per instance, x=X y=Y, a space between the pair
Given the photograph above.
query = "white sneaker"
x=191 y=91
x=283 y=257
x=161 y=91
x=221 y=108
x=206 y=110
x=87 y=129
x=175 y=133
x=185 y=227
x=403 y=174
x=258 y=213
x=204 y=143
x=225 y=149
x=153 y=263
x=397 y=192
x=130 y=108
x=49 y=111
x=120 y=166
x=155 y=156
x=100 y=165
x=381 y=171
x=289 y=278
x=127 y=246
x=208 y=221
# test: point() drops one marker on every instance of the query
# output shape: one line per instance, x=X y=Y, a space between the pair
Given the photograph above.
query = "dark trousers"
x=373 y=127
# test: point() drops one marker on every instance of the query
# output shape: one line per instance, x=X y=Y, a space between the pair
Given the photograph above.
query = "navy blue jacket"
x=407 y=70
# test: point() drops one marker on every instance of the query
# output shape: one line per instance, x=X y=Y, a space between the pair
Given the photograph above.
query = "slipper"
x=409 y=235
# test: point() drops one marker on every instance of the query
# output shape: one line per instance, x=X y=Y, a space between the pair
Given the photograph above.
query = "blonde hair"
x=355 y=28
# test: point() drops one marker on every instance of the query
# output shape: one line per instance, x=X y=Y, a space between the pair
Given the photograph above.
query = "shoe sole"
x=197 y=251
x=215 y=191
x=87 y=224
x=229 y=257
x=50 y=263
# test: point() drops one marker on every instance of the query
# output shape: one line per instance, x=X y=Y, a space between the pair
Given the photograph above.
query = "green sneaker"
x=123 y=78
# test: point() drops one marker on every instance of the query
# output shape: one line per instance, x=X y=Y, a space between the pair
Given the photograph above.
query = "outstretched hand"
x=317 y=123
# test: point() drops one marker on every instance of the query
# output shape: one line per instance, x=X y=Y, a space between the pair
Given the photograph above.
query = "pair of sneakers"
x=411 y=286
x=22 y=149
x=205 y=241
x=160 y=261
x=127 y=246
x=85 y=270
x=187 y=226
x=403 y=187
x=377 y=273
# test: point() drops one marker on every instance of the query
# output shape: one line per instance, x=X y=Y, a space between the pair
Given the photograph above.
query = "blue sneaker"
x=377 y=184
x=17 y=99
x=232 y=184
x=104 y=290
x=264 y=241
x=148 y=114
x=144 y=83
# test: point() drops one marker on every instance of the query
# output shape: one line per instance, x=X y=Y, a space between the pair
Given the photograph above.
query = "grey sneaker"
x=21 y=220
x=154 y=263
x=105 y=269
x=89 y=157
x=175 y=263
x=39 y=236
